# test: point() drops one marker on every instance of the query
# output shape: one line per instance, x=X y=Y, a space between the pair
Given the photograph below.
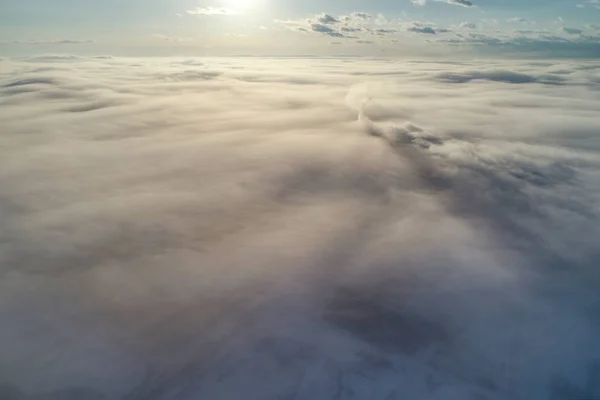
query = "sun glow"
x=239 y=4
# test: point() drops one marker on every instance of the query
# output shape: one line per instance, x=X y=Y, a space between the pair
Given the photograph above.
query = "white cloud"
x=168 y=38
x=212 y=11
x=520 y=20
x=490 y=21
x=226 y=228
x=589 y=3
x=462 y=3
x=467 y=25
x=362 y=15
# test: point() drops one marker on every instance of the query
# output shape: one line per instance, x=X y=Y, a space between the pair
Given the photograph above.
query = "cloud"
x=422 y=29
x=327 y=19
x=211 y=11
x=572 y=31
x=350 y=29
x=55 y=42
x=473 y=38
x=310 y=228
x=468 y=25
x=326 y=30
x=530 y=43
x=498 y=76
x=590 y=3
x=462 y=3
x=168 y=38
x=383 y=31
x=356 y=23
x=418 y=27
x=520 y=20
x=358 y=18
x=569 y=31
x=490 y=21
x=362 y=15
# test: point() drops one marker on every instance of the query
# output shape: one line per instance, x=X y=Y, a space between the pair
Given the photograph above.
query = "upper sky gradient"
x=536 y=28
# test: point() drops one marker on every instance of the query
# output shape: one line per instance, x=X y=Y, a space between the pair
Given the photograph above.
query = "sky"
x=536 y=28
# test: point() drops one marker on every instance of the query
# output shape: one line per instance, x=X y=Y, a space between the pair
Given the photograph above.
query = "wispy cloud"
x=462 y=3
x=211 y=11
x=590 y=3
x=520 y=20
x=168 y=38
x=40 y=42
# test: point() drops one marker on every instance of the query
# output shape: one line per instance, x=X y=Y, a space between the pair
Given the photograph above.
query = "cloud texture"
x=299 y=228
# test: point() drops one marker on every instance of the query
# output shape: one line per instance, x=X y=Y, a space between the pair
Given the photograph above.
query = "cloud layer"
x=299 y=228
x=391 y=34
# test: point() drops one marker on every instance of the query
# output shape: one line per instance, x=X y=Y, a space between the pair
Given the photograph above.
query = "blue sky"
x=549 y=28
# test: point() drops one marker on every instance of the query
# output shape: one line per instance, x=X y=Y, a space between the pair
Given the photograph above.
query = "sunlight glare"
x=239 y=4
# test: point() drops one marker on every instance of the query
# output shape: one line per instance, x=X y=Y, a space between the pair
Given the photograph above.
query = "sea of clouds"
x=262 y=228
